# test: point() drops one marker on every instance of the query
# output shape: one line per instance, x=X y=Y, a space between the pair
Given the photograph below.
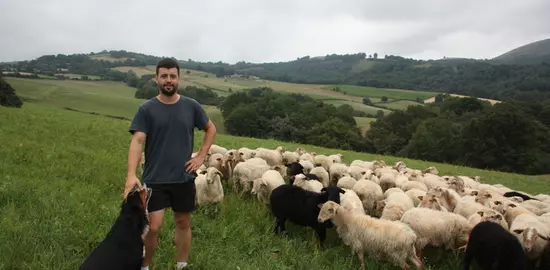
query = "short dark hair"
x=168 y=63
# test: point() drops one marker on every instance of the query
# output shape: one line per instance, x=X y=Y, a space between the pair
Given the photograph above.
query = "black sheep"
x=515 y=193
x=122 y=248
x=299 y=206
x=294 y=168
x=493 y=247
x=545 y=259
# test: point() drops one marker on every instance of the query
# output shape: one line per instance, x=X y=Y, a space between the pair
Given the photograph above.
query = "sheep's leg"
x=321 y=234
x=361 y=258
x=415 y=259
x=279 y=225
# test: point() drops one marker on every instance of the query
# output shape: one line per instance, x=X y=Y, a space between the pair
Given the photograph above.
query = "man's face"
x=168 y=80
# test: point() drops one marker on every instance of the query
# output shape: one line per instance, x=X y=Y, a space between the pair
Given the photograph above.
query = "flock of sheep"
x=390 y=212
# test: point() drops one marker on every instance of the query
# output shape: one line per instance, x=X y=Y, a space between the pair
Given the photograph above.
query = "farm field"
x=67 y=170
x=364 y=123
x=104 y=97
x=353 y=93
x=398 y=105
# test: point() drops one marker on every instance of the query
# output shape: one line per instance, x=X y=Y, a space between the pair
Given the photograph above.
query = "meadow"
x=63 y=175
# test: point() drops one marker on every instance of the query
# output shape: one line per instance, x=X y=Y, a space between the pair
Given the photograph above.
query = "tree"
x=367 y=101
x=8 y=98
x=375 y=55
x=384 y=99
x=131 y=78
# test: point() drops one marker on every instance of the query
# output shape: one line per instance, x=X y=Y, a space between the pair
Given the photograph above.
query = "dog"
x=123 y=247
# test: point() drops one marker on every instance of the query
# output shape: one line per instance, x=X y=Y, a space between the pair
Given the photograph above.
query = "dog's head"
x=139 y=198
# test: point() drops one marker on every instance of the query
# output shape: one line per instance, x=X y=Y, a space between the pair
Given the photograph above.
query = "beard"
x=170 y=92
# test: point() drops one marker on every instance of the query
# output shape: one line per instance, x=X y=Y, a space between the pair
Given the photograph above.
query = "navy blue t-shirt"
x=169 y=142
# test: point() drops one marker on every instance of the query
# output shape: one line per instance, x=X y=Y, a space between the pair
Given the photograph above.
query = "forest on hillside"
x=459 y=76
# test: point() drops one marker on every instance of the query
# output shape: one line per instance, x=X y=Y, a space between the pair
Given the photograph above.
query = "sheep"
x=264 y=186
x=272 y=157
x=414 y=185
x=351 y=201
x=447 y=197
x=488 y=215
x=336 y=171
x=393 y=207
x=245 y=153
x=381 y=238
x=532 y=234
x=307 y=157
x=415 y=195
x=510 y=210
x=369 y=192
x=336 y=158
x=209 y=187
x=432 y=181
x=467 y=208
x=358 y=172
x=537 y=207
x=308 y=165
x=300 y=206
x=431 y=202
x=294 y=168
x=216 y=149
x=322 y=174
x=437 y=228
x=392 y=190
x=322 y=161
x=245 y=173
x=311 y=185
x=493 y=247
x=431 y=169
x=290 y=157
x=400 y=179
x=387 y=180
x=346 y=182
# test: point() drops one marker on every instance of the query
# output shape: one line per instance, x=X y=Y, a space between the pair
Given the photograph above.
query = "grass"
x=364 y=123
x=363 y=91
x=398 y=105
x=63 y=175
x=103 y=97
x=359 y=106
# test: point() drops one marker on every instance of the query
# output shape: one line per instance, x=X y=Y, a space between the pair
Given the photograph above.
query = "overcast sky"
x=274 y=30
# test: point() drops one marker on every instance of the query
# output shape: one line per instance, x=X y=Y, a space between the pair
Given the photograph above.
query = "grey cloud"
x=259 y=31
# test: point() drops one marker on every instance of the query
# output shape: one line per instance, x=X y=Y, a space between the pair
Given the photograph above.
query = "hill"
x=469 y=77
x=533 y=53
x=67 y=170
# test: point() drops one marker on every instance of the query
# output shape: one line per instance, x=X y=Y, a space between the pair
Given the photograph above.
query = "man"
x=165 y=125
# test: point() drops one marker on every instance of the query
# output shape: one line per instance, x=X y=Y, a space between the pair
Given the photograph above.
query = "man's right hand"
x=131 y=181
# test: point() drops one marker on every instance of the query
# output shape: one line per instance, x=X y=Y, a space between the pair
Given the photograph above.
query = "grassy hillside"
x=67 y=169
x=105 y=98
x=532 y=53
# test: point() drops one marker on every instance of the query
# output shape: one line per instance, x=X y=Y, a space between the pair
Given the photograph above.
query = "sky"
x=271 y=31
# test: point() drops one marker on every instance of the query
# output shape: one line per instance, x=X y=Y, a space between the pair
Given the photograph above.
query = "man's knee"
x=155 y=221
x=183 y=221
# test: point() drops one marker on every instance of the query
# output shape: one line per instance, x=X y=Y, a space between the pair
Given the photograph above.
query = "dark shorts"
x=179 y=196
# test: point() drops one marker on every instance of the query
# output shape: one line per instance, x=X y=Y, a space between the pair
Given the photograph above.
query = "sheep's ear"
x=324 y=189
x=202 y=172
x=545 y=238
x=518 y=231
x=513 y=205
x=474 y=193
x=499 y=217
x=497 y=202
x=488 y=195
x=342 y=191
x=433 y=199
x=480 y=213
x=420 y=197
x=219 y=173
x=320 y=205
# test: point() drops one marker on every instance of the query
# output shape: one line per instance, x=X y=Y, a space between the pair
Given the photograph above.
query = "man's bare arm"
x=209 y=135
x=134 y=153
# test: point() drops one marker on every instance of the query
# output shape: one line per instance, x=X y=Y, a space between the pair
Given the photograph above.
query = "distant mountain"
x=532 y=53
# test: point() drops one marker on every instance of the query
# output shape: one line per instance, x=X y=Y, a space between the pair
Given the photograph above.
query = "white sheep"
x=336 y=171
x=369 y=192
x=414 y=185
x=307 y=156
x=322 y=161
x=387 y=180
x=532 y=234
x=308 y=165
x=346 y=182
x=217 y=149
x=264 y=186
x=322 y=174
x=414 y=194
x=393 y=207
x=380 y=238
x=437 y=228
x=336 y=158
x=290 y=157
x=351 y=201
x=392 y=190
x=272 y=157
x=359 y=172
x=300 y=180
x=209 y=187
x=246 y=172
x=245 y=153
x=510 y=210
x=488 y=215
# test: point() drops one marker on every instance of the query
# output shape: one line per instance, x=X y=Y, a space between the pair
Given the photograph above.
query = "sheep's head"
x=328 y=211
x=529 y=235
x=282 y=169
x=379 y=208
x=431 y=169
x=516 y=199
x=431 y=202
x=280 y=149
x=490 y=215
x=333 y=193
x=399 y=166
x=463 y=236
x=457 y=184
x=502 y=207
x=213 y=175
x=300 y=151
x=483 y=197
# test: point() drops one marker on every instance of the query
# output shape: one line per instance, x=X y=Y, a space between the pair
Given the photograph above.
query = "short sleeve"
x=139 y=123
x=201 y=118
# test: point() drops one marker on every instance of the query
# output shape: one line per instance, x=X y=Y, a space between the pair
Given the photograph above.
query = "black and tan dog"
x=122 y=248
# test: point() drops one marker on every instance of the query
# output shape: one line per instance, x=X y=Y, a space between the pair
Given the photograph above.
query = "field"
x=64 y=174
x=104 y=97
x=364 y=123
x=353 y=93
x=398 y=104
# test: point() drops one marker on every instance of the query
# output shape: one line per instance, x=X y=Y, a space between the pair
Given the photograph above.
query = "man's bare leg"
x=155 y=218
x=183 y=236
